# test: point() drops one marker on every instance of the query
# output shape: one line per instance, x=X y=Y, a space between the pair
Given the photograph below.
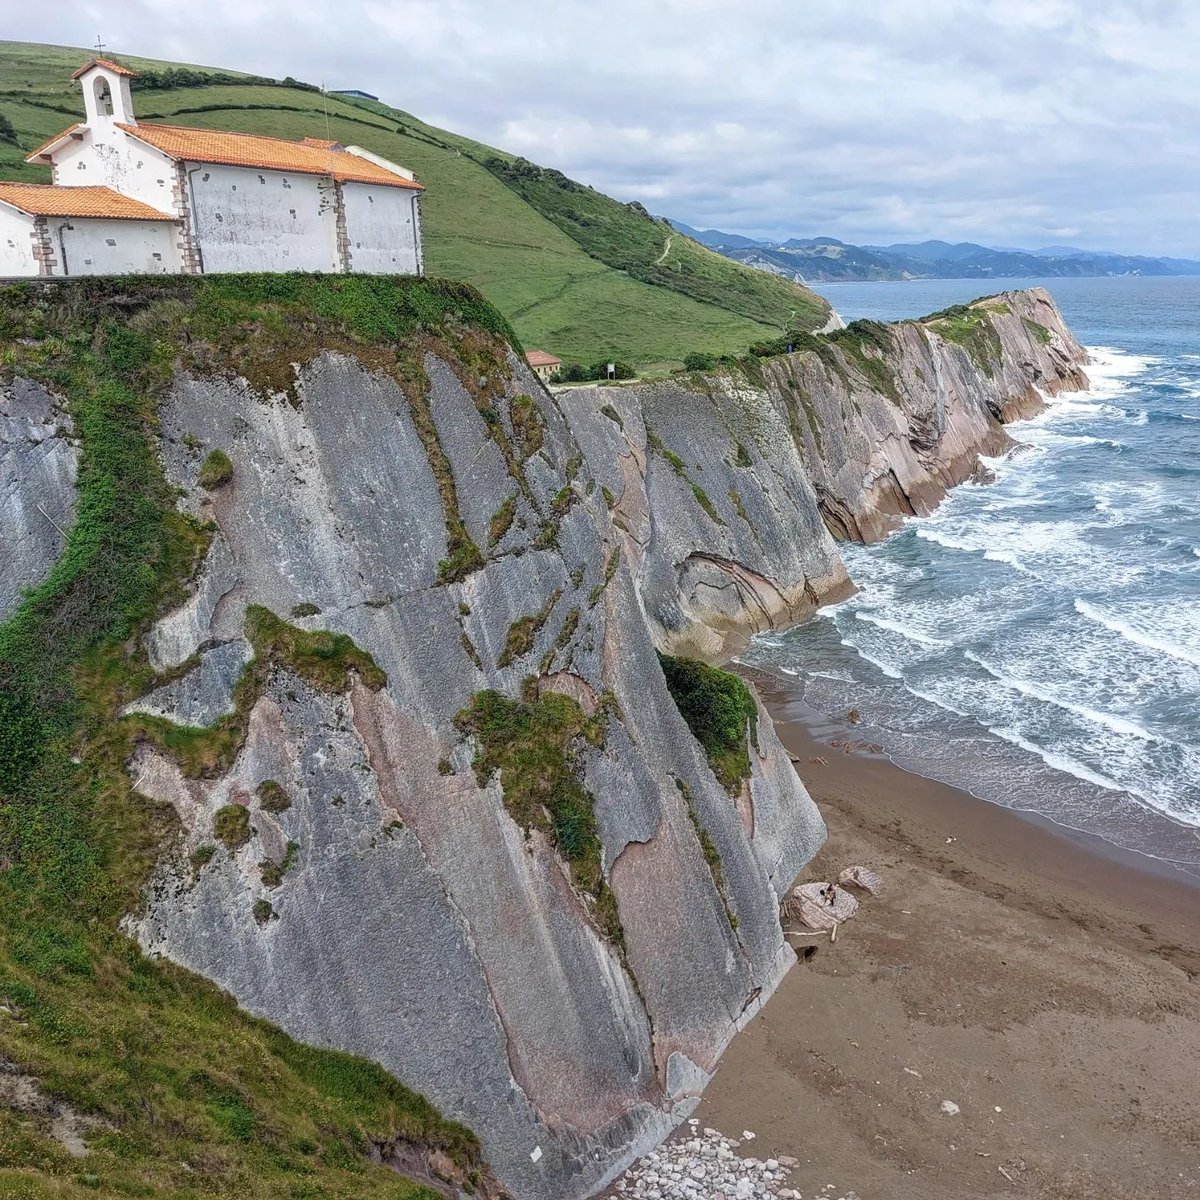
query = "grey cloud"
x=997 y=120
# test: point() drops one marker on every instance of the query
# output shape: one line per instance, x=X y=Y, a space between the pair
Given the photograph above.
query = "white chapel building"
x=153 y=198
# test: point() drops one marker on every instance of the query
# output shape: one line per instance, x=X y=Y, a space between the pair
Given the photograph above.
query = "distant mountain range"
x=825 y=259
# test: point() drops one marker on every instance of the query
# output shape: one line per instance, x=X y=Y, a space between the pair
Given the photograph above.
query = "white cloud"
x=1008 y=121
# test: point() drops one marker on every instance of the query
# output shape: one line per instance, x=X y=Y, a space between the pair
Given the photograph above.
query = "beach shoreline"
x=1046 y=986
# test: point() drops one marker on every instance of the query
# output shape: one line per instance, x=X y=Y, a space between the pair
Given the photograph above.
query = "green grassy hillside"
x=577 y=273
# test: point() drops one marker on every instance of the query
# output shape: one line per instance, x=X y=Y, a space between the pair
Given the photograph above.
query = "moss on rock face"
x=524 y=630
x=329 y=661
x=970 y=326
x=215 y=471
x=720 y=711
x=533 y=745
x=272 y=873
x=231 y=826
x=272 y=797
x=502 y=520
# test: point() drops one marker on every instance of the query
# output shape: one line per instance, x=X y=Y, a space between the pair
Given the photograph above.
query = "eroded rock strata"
x=353 y=870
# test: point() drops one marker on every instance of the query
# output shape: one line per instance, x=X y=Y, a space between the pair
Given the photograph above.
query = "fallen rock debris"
x=704 y=1165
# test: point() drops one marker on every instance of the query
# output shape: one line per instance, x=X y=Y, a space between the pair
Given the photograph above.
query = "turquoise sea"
x=1037 y=639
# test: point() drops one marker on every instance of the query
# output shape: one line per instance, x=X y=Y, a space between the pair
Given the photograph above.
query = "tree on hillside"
x=7 y=132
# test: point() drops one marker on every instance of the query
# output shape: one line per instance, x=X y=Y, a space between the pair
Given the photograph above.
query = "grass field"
x=585 y=292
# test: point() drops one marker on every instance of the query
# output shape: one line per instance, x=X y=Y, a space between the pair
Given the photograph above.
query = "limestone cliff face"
x=394 y=905
x=417 y=922
x=883 y=436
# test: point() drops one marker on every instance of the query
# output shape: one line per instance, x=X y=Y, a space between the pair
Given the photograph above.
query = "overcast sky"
x=1010 y=122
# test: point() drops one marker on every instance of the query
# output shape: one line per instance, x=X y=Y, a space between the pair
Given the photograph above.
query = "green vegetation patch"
x=181 y=1075
x=610 y=569
x=502 y=520
x=720 y=711
x=534 y=745
x=970 y=326
x=323 y=658
x=328 y=661
x=712 y=857
x=215 y=471
x=1039 y=332
x=273 y=872
x=524 y=630
x=627 y=238
x=231 y=826
x=272 y=796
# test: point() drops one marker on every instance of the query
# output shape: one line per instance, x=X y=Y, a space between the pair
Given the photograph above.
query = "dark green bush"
x=272 y=797
x=719 y=710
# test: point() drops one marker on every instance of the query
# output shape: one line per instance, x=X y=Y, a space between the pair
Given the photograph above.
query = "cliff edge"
x=402 y=768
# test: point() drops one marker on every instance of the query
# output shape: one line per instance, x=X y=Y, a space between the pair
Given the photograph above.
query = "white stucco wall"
x=109 y=156
x=96 y=247
x=16 y=243
x=381 y=225
x=257 y=220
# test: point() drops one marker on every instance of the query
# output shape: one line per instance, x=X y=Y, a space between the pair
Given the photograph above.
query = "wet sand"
x=1048 y=987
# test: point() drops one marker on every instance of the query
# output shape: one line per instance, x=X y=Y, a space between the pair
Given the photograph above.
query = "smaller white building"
x=47 y=230
x=132 y=197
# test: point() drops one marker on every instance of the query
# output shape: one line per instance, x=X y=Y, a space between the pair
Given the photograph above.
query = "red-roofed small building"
x=544 y=365
x=170 y=198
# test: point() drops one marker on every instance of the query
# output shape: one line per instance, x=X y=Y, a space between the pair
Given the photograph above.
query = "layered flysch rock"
x=725 y=485
x=38 y=462
x=391 y=903
x=416 y=921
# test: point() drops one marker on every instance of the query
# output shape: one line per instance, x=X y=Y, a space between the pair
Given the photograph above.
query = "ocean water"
x=1037 y=639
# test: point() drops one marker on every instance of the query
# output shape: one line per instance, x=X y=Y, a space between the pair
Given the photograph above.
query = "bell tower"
x=106 y=93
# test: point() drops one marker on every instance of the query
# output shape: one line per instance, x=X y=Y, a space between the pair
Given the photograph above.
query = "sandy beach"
x=1047 y=991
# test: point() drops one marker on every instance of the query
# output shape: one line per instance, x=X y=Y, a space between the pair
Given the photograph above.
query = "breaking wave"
x=1037 y=639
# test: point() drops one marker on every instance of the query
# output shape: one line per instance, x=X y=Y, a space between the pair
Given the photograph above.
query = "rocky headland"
x=420 y=789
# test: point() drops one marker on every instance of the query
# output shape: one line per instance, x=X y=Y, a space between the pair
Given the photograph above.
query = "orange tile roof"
x=58 y=137
x=272 y=154
x=49 y=200
x=108 y=64
x=539 y=358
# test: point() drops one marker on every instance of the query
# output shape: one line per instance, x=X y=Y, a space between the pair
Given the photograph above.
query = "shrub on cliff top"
x=719 y=709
